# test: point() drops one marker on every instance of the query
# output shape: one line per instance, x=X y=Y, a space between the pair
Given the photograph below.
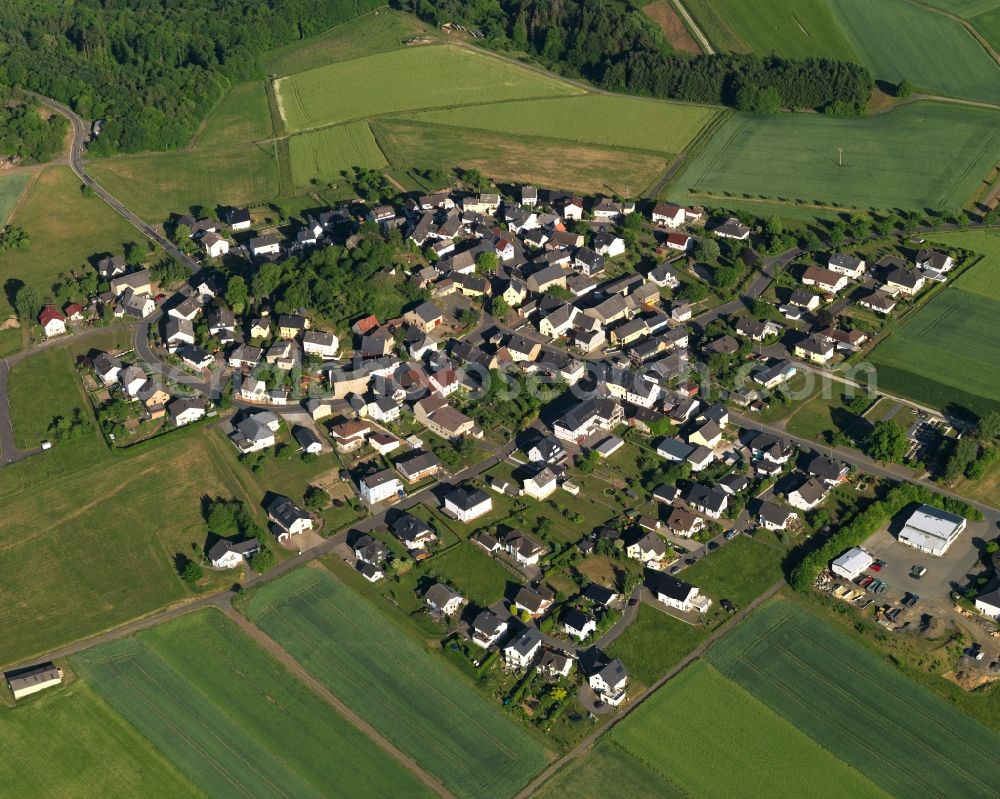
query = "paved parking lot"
x=944 y=574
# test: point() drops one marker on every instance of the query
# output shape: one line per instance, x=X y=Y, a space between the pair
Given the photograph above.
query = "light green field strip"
x=614 y=121
x=920 y=155
x=898 y=39
x=327 y=152
x=687 y=725
x=984 y=278
x=410 y=696
x=406 y=80
x=241 y=116
x=964 y=8
x=233 y=720
x=11 y=189
x=903 y=738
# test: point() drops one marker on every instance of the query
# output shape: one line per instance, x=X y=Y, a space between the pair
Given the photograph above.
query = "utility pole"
x=840 y=156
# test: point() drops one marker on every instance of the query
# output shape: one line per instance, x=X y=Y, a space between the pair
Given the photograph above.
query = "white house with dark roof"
x=610 y=683
x=523 y=650
x=677 y=594
x=443 y=599
x=467 y=504
x=289 y=517
x=379 y=487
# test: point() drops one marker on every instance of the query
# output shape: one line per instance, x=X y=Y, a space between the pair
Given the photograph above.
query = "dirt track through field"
x=664 y=15
x=278 y=653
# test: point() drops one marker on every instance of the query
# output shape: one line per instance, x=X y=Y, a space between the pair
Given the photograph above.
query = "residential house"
x=540 y=485
x=673 y=449
x=214 y=245
x=379 y=487
x=677 y=594
x=418 y=466
x=425 y=317
x=521 y=652
x=774 y=373
x=292 y=325
x=289 y=517
x=487 y=628
x=547 y=450
x=609 y=245
x=52 y=321
x=238 y=219
x=413 y=533
x=521 y=548
x=323 y=345
x=467 y=504
x=107 y=367
x=878 y=301
x=586 y=418
x=111 y=266
x=555 y=664
x=178 y=333
x=801 y=298
x=825 y=279
x=187 y=309
x=905 y=281
x=708 y=434
x=732 y=228
x=684 y=523
x=195 y=357
x=253 y=390
x=610 y=683
x=255 y=432
x=245 y=356
x=934 y=261
x=815 y=349
x=350 y=435
x=368 y=549
x=809 y=494
x=650 y=550
x=711 y=502
x=226 y=554
x=578 y=624
x=185 y=410
x=668 y=215
x=268 y=244
x=535 y=601
x=588 y=261
x=599 y=595
x=848 y=265
x=443 y=600
x=139 y=282
x=678 y=241
x=775 y=517
x=307 y=440
x=136 y=305
x=826 y=469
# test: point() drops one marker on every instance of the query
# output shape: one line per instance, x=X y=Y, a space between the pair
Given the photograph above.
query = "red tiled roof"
x=48 y=314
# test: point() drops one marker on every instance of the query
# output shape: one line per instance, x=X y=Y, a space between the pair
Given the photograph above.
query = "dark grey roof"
x=466 y=498
x=661 y=583
x=285 y=512
x=305 y=437
x=224 y=545
x=576 y=619
x=598 y=593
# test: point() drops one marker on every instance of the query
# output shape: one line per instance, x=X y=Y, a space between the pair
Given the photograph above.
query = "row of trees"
x=152 y=69
x=619 y=48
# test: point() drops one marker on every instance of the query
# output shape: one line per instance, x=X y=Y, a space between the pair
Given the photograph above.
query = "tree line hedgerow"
x=619 y=48
x=152 y=69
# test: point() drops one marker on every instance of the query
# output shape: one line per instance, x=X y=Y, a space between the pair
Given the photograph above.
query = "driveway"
x=301 y=418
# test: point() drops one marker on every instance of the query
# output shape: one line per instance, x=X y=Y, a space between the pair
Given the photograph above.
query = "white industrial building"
x=852 y=563
x=931 y=530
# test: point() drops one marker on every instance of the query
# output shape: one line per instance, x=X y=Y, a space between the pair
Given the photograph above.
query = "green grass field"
x=41 y=759
x=821 y=414
x=518 y=159
x=60 y=241
x=39 y=389
x=608 y=770
x=479 y=577
x=792 y=28
x=11 y=188
x=600 y=119
x=409 y=695
x=933 y=52
x=232 y=719
x=955 y=335
x=92 y=549
x=920 y=155
x=367 y=35
x=704 y=716
x=654 y=643
x=327 y=152
x=406 y=80
x=241 y=116
x=906 y=740
x=739 y=571
x=154 y=186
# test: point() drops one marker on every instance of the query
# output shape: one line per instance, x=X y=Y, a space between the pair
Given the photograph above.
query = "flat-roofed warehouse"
x=931 y=530
x=25 y=682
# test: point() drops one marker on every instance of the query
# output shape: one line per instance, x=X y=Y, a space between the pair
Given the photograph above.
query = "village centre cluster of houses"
x=567 y=316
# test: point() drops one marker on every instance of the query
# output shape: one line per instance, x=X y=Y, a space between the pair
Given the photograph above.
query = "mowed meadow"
x=233 y=721
x=924 y=154
x=324 y=154
x=407 y=79
x=410 y=696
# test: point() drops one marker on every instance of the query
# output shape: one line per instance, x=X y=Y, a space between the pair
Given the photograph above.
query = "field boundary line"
x=689 y=22
x=24 y=194
x=275 y=650
x=984 y=43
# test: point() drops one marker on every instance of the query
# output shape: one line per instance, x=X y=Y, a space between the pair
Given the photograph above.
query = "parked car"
x=713 y=545
x=917 y=572
x=731 y=534
x=674 y=569
x=691 y=561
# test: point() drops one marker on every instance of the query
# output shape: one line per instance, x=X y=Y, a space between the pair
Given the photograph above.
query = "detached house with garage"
x=668 y=215
x=487 y=629
x=610 y=683
x=815 y=349
x=846 y=265
x=825 y=279
x=52 y=321
x=288 y=517
x=379 y=487
x=808 y=495
x=467 y=504
x=443 y=600
x=522 y=651
x=677 y=594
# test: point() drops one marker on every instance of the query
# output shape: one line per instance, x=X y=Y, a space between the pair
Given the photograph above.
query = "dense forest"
x=619 y=48
x=152 y=68
x=25 y=135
